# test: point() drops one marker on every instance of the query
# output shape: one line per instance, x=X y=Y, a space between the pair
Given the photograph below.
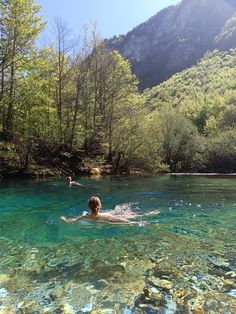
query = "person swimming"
x=94 y=205
x=71 y=182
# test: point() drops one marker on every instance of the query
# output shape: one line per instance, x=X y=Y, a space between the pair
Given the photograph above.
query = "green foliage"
x=83 y=110
x=35 y=104
x=180 y=145
x=221 y=152
x=20 y=26
x=110 y=102
x=10 y=161
x=205 y=95
x=201 y=92
x=147 y=156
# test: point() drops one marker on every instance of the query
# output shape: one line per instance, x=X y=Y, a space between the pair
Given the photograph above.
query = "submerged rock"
x=232 y=293
x=220 y=263
x=175 y=280
x=4 y=278
x=161 y=283
x=196 y=305
x=106 y=311
x=127 y=311
x=87 y=309
x=230 y=274
x=229 y=284
x=3 y=293
x=152 y=294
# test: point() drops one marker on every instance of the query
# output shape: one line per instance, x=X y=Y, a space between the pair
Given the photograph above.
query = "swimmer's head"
x=69 y=179
x=94 y=204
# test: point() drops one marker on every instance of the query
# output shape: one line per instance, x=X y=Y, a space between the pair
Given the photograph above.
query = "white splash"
x=125 y=211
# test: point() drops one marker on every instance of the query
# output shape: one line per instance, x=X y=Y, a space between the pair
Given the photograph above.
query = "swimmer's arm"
x=76 y=183
x=72 y=220
x=153 y=213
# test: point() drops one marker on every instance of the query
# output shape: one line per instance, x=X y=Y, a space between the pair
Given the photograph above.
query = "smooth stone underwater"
x=183 y=261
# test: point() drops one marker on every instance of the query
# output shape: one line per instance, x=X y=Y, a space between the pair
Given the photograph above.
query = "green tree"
x=179 y=143
x=36 y=114
x=109 y=97
x=65 y=87
x=20 y=26
x=221 y=152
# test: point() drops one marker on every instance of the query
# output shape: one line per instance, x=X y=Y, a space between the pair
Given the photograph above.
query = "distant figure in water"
x=70 y=182
x=94 y=206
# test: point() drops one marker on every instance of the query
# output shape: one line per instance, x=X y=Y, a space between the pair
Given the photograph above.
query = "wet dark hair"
x=94 y=204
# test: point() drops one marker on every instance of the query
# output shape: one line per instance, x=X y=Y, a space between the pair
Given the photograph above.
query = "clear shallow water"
x=49 y=266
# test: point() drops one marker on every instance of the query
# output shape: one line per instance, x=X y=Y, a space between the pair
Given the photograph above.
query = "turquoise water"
x=183 y=260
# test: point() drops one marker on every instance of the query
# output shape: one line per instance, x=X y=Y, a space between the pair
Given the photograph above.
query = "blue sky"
x=113 y=17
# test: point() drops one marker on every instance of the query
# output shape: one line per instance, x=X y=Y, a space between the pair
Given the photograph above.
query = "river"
x=182 y=260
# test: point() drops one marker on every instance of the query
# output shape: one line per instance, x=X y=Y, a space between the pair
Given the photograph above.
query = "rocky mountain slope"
x=175 y=38
x=227 y=37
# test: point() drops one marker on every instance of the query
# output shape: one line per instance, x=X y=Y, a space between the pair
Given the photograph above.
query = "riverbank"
x=203 y=174
x=44 y=160
x=47 y=161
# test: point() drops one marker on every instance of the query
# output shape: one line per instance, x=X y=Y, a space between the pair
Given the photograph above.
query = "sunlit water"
x=182 y=260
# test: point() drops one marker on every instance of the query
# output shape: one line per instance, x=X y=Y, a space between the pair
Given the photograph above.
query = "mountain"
x=174 y=39
x=207 y=85
x=204 y=93
x=227 y=37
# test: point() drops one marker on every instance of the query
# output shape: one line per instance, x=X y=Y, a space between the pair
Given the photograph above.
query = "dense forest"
x=75 y=106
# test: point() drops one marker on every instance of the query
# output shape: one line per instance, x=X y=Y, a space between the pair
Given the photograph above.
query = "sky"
x=113 y=17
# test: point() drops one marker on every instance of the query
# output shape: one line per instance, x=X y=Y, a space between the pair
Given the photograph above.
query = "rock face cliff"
x=227 y=37
x=173 y=39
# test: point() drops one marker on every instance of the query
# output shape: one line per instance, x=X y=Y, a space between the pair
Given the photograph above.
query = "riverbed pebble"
x=161 y=283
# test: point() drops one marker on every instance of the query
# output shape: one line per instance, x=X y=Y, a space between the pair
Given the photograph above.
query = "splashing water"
x=125 y=211
x=186 y=263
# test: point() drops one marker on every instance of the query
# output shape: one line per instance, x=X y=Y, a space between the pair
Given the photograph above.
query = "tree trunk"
x=8 y=123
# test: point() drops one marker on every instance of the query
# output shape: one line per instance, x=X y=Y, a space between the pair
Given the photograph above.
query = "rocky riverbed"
x=166 y=273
